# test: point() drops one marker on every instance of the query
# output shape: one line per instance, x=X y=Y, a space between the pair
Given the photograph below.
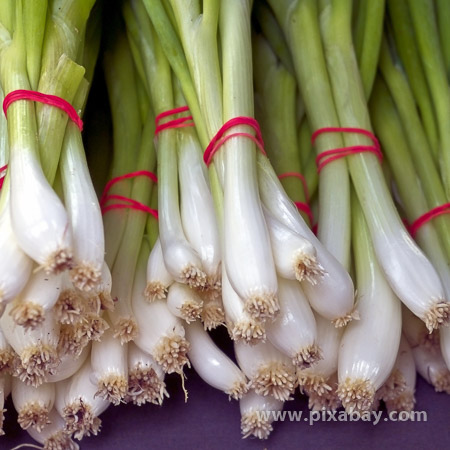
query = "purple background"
x=209 y=421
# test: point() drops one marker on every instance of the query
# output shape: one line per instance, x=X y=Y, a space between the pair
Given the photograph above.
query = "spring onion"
x=213 y=365
x=33 y=404
x=145 y=378
x=269 y=371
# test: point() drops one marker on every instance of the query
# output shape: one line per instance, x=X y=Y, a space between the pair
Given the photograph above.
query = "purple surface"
x=209 y=420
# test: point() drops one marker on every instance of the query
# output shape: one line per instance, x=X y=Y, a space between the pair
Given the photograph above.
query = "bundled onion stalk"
x=214 y=97
x=369 y=346
x=125 y=225
x=393 y=245
x=49 y=62
x=234 y=243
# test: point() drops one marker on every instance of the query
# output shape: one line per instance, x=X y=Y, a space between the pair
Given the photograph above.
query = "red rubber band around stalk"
x=329 y=156
x=2 y=177
x=219 y=139
x=129 y=202
x=52 y=100
x=175 y=123
x=423 y=219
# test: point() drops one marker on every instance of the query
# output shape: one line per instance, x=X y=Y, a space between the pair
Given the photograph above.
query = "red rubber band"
x=175 y=123
x=302 y=206
x=2 y=177
x=129 y=203
x=300 y=177
x=219 y=139
x=52 y=100
x=337 y=153
x=422 y=220
x=138 y=173
x=132 y=204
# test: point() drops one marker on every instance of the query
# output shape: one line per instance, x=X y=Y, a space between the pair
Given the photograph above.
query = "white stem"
x=39 y=218
x=122 y=316
x=110 y=367
x=294 y=255
x=369 y=346
x=84 y=212
x=160 y=333
x=33 y=404
x=77 y=402
x=247 y=251
x=197 y=207
x=145 y=378
x=39 y=295
x=431 y=366
x=158 y=277
x=270 y=371
x=184 y=302
x=315 y=378
x=180 y=258
x=294 y=330
x=15 y=265
x=37 y=349
x=104 y=286
x=69 y=365
x=241 y=326
x=53 y=435
x=333 y=297
x=257 y=414
x=212 y=364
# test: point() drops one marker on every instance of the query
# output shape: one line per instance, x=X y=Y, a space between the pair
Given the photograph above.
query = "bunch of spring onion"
x=54 y=282
x=233 y=244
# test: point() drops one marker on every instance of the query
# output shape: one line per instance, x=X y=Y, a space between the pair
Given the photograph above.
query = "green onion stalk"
x=369 y=346
x=407 y=269
x=390 y=129
x=131 y=223
x=41 y=231
x=420 y=150
x=208 y=94
x=126 y=121
x=275 y=100
x=333 y=296
x=42 y=42
x=367 y=32
x=427 y=36
x=181 y=259
x=443 y=19
x=15 y=266
x=273 y=33
x=406 y=45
